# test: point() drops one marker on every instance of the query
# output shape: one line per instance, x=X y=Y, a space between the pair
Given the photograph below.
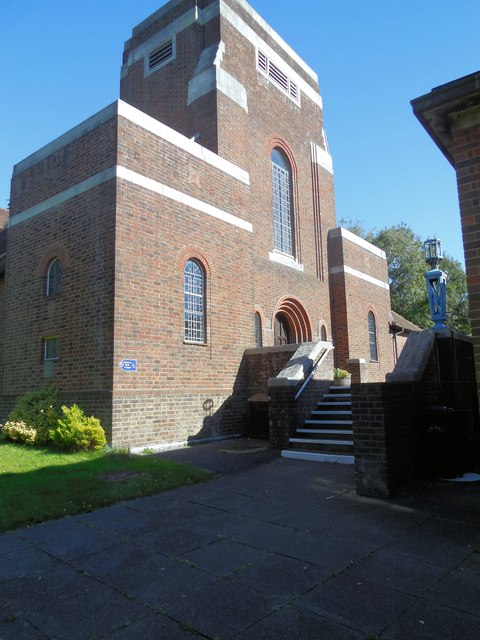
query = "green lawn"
x=38 y=484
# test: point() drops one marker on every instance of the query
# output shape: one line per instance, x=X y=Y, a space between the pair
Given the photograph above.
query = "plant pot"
x=342 y=382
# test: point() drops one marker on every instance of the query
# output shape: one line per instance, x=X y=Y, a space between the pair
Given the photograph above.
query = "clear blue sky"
x=60 y=63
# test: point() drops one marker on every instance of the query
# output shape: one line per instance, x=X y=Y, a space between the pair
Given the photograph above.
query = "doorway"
x=282 y=332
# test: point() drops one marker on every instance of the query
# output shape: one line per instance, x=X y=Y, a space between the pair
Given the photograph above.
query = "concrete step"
x=338 y=403
x=326 y=412
x=313 y=456
x=318 y=441
x=338 y=395
x=327 y=422
x=340 y=389
x=339 y=432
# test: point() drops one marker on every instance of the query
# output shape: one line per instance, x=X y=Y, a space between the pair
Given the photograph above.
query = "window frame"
x=283 y=204
x=54 y=284
x=48 y=341
x=258 y=330
x=323 y=333
x=372 y=336
x=196 y=323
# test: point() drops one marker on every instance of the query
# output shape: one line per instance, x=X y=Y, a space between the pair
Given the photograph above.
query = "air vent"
x=278 y=77
x=262 y=62
x=161 y=55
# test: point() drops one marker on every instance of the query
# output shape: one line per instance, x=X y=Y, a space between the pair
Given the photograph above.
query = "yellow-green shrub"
x=76 y=431
x=38 y=409
x=19 y=432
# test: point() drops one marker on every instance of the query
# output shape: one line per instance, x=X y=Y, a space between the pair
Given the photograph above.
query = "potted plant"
x=341 y=377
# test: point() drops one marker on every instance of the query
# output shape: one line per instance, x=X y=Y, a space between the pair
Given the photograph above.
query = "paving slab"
x=357 y=603
x=223 y=557
x=24 y=562
x=222 y=609
x=294 y=623
x=89 y=614
x=154 y=627
x=390 y=568
x=284 y=577
x=459 y=590
x=10 y=542
x=430 y=621
x=175 y=540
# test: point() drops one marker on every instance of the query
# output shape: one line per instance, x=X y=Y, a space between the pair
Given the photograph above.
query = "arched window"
x=54 y=278
x=323 y=333
x=372 y=337
x=282 y=203
x=194 y=302
x=258 y=330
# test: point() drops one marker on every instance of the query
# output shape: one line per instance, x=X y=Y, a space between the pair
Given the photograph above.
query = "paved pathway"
x=282 y=550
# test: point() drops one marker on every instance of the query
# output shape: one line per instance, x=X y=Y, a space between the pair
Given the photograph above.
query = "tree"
x=406 y=273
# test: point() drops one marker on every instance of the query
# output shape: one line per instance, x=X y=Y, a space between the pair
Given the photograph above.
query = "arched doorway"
x=281 y=331
x=291 y=324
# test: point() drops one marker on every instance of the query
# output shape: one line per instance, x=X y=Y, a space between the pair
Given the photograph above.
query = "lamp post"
x=436 y=282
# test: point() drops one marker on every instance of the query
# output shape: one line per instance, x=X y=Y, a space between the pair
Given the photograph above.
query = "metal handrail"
x=313 y=371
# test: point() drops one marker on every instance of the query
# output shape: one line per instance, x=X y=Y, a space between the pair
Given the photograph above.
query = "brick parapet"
x=390 y=419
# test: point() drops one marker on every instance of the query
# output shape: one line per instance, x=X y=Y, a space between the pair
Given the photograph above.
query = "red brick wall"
x=466 y=153
x=163 y=94
x=81 y=232
x=353 y=299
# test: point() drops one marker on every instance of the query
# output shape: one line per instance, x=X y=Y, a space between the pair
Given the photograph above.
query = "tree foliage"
x=406 y=272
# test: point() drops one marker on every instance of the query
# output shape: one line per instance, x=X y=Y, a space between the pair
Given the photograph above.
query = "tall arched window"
x=323 y=333
x=54 y=278
x=372 y=337
x=194 y=302
x=258 y=330
x=282 y=203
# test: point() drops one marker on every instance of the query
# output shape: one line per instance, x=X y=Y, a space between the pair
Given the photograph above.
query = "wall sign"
x=128 y=365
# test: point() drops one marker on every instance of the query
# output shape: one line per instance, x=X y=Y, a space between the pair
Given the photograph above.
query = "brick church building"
x=151 y=245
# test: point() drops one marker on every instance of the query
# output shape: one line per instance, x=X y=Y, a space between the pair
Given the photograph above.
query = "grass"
x=37 y=484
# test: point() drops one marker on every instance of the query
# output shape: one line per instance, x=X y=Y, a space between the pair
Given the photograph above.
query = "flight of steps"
x=327 y=435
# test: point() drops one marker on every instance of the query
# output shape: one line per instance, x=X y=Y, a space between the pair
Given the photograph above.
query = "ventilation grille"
x=278 y=77
x=157 y=57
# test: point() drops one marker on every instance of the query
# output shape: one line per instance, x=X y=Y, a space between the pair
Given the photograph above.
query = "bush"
x=19 y=432
x=76 y=431
x=39 y=410
x=341 y=374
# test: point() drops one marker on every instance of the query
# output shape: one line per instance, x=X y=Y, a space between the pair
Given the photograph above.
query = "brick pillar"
x=372 y=476
x=282 y=410
x=358 y=369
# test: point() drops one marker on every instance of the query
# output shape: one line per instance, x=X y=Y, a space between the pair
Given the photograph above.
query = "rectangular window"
x=51 y=348
x=278 y=77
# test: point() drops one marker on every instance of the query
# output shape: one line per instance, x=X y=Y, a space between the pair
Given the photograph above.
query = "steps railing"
x=313 y=371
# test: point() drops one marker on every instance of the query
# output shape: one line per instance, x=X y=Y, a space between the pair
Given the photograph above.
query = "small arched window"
x=194 y=302
x=323 y=333
x=54 y=278
x=282 y=203
x=258 y=330
x=372 y=337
